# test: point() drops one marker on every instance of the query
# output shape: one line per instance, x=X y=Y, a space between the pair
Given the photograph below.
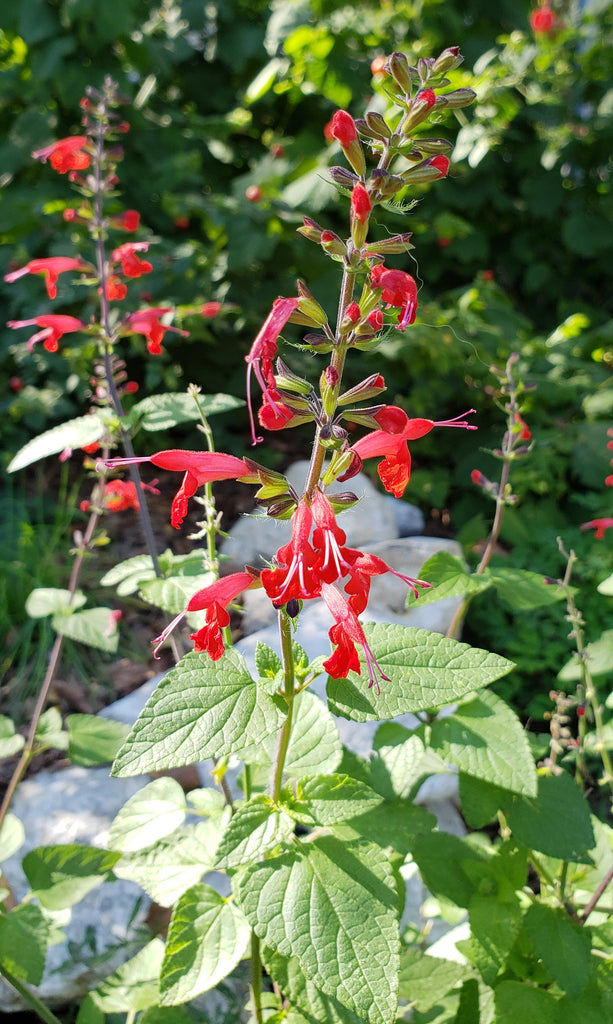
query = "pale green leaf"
x=127 y=576
x=23 y=945
x=208 y=935
x=400 y=762
x=201 y=709
x=392 y=825
x=12 y=836
x=52 y=600
x=73 y=434
x=267 y=662
x=524 y=590
x=135 y=985
x=172 y=595
x=331 y=799
x=563 y=947
x=599 y=659
x=426 y=670
x=174 y=864
x=94 y=627
x=343 y=924
x=60 y=876
x=425 y=979
x=308 y=1005
x=265 y=79
x=152 y=813
x=256 y=827
x=314 y=745
x=50 y=730
x=485 y=738
x=10 y=741
x=93 y=740
x=161 y=412
x=449 y=578
x=516 y=1001
x=606 y=587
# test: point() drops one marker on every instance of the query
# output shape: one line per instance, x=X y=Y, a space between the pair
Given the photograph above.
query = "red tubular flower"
x=273 y=413
x=599 y=525
x=65 y=154
x=294 y=576
x=543 y=19
x=343 y=128
x=50 y=267
x=262 y=353
x=199 y=468
x=395 y=470
x=523 y=430
x=131 y=264
x=115 y=289
x=361 y=205
x=54 y=326
x=441 y=163
x=345 y=634
x=147 y=322
x=120 y=495
x=128 y=221
x=210 y=310
x=399 y=289
x=213 y=600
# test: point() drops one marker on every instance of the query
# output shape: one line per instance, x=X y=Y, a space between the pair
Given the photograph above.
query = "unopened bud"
x=459 y=98
x=287 y=379
x=309 y=310
x=420 y=108
x=344 y=131
x=343 y=176
x=447 y=60
x=333 y=244
x=366 y=131
x=434 y=146
x=282 y=509
x=317 y=343
x=386 y=183
x=402 y=73
x=343 y=501
x=431 y=169
x=341 y=464
x=355 y=467
x=368 y=388
x=388 y=246
x=378 y=125
x=311 y=230
x=292 y=608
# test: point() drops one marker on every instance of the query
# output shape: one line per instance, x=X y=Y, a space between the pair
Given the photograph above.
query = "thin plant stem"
x=606 y=881
x=39 y=1008
x=256 y=978
x=287 y=655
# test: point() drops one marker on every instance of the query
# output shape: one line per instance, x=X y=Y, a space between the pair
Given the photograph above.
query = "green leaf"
x=60 y=876
x=208 y=935
x=12 y=836
x=172 y=595
x=540 y=824
x=267 y=662
x=174 y=864
x=563 y=947
x=93 y=740
x=480 y=801
x=50 y=731
x=426 y=671
x=165 y=1015
x=161 y=412
x=441 y=859
x=449 y=578
x=94 y=627
x=73 y=434
x=314 y=744
x=201 y=709
x=606 y=587
x=152 y=813
x=425 y=979
x=256 y=827
x=52 y=600
x=392 y=825
x=599 y=658
x=23 y=945
x=308 y=1005
x=331 y=799
x=10 y=742
x=518 y=1002
x=485 y=738
x=400 y=762
x=343 y=926
x=524 y=590
x=128 y=575
x=494 y=925
x=134 y=986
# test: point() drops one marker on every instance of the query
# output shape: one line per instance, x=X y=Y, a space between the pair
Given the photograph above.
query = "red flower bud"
x=343 y=128
x=361 y=205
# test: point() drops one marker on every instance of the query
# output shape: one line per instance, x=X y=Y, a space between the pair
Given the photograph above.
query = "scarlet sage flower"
x=199 y=468
x=395 y=469
x=120 y=495
x=599 y=526
x=127 y=221
x=131 y=264
x=65 y=154
x=53 y=327
x=361 y=205
x=543 y=19
x=148 y=322
x=343 y=128
x=210 y=310
x=262 y=353
x=294 y=575
x=115 y=289
x=50 y=268
x=345 y=634
x=214 y=601
x=399 y=289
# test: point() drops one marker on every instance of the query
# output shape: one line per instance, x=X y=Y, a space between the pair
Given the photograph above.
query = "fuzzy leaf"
x=564 y=948
x=332 y=799
x=174 y=864
x=93 y=740
x=308 y=1004
x=426 y=670
x=599 y=659
x=73 y=434
x=152 y=813
x=12 y=836
x=494 y=925
x=161 y=412
x=201 y=709
x=52 y=600
x=343 y=924
x=10 y=741
x=23 y=945
x=255 y=827
x=60 y=876
x=172 y=595
x=134 y=986
x=449 y=578
x=541 y=824
x=424 y=979
x=207 y=937
x=93 y=627
x=127 y=576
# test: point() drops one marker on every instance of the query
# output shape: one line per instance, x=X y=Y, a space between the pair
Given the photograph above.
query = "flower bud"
x=273 y=483
x=332 y=244
x=344 y=131
x=459 y=98
x=378 y=125
x=288 y=380
x=447 y=60
x=401 y=72
x=311 y=230
x=343 y=176
x=366 y=131
x=361 y=207
x=433 y=146
x=368 y=388
x=431 y=169
x=355 y=467
x=317 y=343
x=282 y=509
x=386 y=183
x=309 y=311
x=344 y=500
x=391 y=245
x=420 y=108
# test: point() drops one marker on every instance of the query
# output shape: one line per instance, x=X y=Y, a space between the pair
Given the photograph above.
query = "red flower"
x=399 y=289
x=599 y=525
x=65 y=154
x=131 y=264
x=115 y=289
x=395 y=470
x=441 y=163
x=343 y=128
x=147 y=322
x=361 y=205
x=262 y=353
x=213 y=600
x=523 y=430
x=426 y=96
x=543 y=19
x=50 y=267
x=54 y=326
x=120 y=495
x=128 y=221
x=294 y=576
x=273 y=413
x=210 y=310
x=199 y=468
x=345 y=634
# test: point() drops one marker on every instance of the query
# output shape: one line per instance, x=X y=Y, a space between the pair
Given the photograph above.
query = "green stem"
x=287 y=654
x=39 y=1008
x=256 y=978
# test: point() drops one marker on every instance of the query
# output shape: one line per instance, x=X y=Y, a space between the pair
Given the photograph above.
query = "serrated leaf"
x=400 y=761
x=93 y=740
x=516 y=1001
x=60 y=876
x=50 y=731
x=441 y=857
x=538 y=823
x=10 y=742
x=73 y=434
x=392 y=825
x=172 y=595
x=207 y=937
x=23 y=946
x=12 y=836
x=564 y=948
x=485 y=738
x=343 y=926
x=599 y=658
x=524 y=590
x=494 y=924
x=267 y=662
x=95 y=627
x=331 y=799
x=425 y=979
x=426 y=670
x=449 y=578
x=308 y=1005
x=256 y=827
x=314 y=745
x=52 y=600
x=134 y=986
x=152 y=813
x=161 y=412
x=200 y=709
x=174 y=864
x=127 y=576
